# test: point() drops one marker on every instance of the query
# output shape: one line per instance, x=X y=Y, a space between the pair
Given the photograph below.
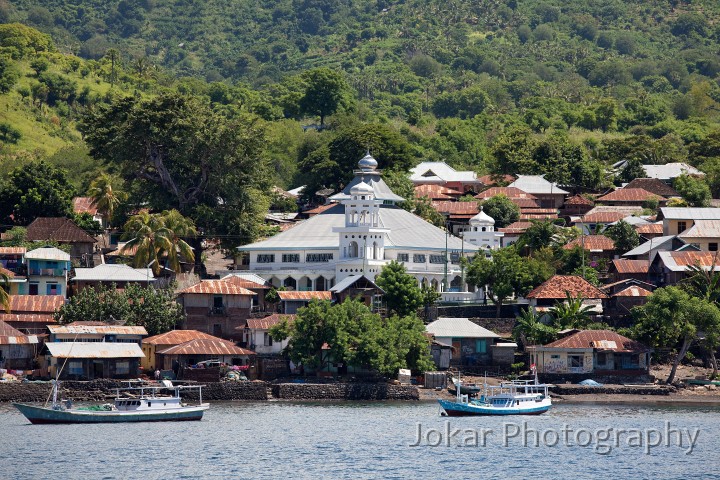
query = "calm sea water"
x=363 y=440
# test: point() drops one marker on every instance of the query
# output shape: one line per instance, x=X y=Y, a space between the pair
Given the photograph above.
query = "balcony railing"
x=47 y=272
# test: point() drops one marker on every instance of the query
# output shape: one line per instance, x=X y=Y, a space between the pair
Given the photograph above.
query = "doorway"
x=97 y=369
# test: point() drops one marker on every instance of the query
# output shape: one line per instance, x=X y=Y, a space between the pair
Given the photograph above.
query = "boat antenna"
x=54 y=390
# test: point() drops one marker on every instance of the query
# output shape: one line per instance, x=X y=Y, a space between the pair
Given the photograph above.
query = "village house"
x=255 y=284
x=470 y=342
x=440 y=173
x=599 y=247
x=87 y=205
x=93 y=350
x=704 y=234
x=457 y=214
x=600 y=217
x=547 y=194
x=654 y=185
x=216 y=307
x=513 y=232
x=592 y=352
x=359 y=235
x=677 y=220
x=257 y=334
x=647 y=250
x=108 y=274
x=622 y=301
x=163 y=341
x=358 y=287
x=47 y=271
x=624 y=269
x=65 y=232
x=17 y=350
x=638 y=197
x=576 y=206
x=13 y=266
x=670 y=171
x=673 y=267
x=192 y=352
x=31 y=314
x=558 y=287
x=649 y=231
x=436 y=192
x=291 y=300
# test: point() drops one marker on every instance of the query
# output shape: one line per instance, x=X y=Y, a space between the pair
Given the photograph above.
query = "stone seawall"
x=344 y=391
x=103 y=390
x=614 y=390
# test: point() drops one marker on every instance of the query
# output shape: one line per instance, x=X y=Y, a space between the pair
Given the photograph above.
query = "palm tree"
x=705 y=283
x=104 y=197
x=529 y=330
x=145 y=235
x=571 y=313
x=4 y=291
x=175 y=228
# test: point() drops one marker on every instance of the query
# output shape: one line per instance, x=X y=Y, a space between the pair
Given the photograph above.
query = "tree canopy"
x=402 y=295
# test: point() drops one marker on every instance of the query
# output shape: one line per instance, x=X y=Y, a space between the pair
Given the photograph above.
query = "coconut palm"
x=4 y=291
x=146 y=240
x=571 y=313
x=177 y=227
x=104 y=197
x=529 y=330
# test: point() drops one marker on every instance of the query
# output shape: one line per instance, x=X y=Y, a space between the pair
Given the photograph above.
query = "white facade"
x=360 y=235
x=481 y=232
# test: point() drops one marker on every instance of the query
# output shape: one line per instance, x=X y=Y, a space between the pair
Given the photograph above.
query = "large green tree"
x=502 y=210
x=624 y=235
x=672 y=318
x=153 y=308
x=695 y=191
x=35 y=190
x=326 y=90
x=176 y=152
x=402 y=293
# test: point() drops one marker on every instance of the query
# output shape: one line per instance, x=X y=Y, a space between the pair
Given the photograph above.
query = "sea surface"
x=371 y=440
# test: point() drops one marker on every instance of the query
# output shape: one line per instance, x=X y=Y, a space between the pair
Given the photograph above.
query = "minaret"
x=482 y=232
x=362 y=239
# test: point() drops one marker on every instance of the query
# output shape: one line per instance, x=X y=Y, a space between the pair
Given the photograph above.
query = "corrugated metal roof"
x=633 y=291
x=491 y=179
x=36 y=303
x=427 y=171
x=28 y=318
x=670 y=170
x=74 y=329
x=407 y=231
x=689 y=213
x=653 y=185
x=459 y=328
x=48 y=253
x=436 y=192
x=204 y=346
x=649 y=228
x=536 y=184
x=600 y=339
x=558 y=286
x=109 y=272
x=268 y=322
x=462 y=208
x=511 y=192
x=372 y=178
x=631 y=266
x=248 y=281
x=516 y=227
x=177 y=337
x=60 y=229
x=84 y=205
x=630 y=195
x=349 y=281
x=309 y=295
x=602 y=217
x=655 y=244
x=6 y=329
x=12 y=250
x=578 y=200
x=681 y=261
x=702 y=229
x=217 y=287
x=94 y=350
x=592 y=243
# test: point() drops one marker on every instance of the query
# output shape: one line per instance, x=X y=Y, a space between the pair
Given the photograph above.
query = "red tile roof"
x=12 y=250
x=630 y=195
x=36 y=303
x=650 y=228
x=600 y=339
x=654 y=185
x=84 y=205
x=603 y=217
x=631 y=266
x=268 y=322
x=309 y=295
x=436 y=192
x=578 y=200
x=460 y=208
x=510 y=192
x=206 y=346
x=559 y=285
x=218 y=287
x=41 y=318
x=177 y=337
x=59 y=229
x=592 y=243
x=633 y=291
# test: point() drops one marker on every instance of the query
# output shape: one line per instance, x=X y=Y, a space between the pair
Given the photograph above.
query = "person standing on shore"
x=157 y=375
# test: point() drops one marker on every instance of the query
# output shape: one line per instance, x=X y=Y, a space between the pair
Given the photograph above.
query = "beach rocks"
x=344 y=391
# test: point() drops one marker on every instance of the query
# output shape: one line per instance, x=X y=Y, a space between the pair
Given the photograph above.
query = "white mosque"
x=360 y=234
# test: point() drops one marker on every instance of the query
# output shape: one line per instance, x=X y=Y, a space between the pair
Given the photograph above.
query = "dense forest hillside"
x=499 y=86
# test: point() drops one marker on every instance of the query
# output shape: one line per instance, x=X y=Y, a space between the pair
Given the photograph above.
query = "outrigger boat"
x=519 y=397
x=132 y=404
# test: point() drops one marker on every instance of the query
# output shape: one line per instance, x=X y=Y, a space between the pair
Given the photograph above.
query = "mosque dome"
x=368 y=162
x=362 y=188
x=482 y=218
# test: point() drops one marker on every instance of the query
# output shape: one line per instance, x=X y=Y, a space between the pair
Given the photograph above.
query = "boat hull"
x=454 y=409
x=43 y=415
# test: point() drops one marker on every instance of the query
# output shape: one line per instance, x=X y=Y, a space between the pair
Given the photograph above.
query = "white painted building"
x=359 y=235
x=481 y=232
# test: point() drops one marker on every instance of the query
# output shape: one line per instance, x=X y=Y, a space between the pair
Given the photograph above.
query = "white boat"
x=520 y=397
x=132 y=404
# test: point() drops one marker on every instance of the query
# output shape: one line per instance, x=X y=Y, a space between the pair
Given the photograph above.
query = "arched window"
x=376 y=251
x=353 y=250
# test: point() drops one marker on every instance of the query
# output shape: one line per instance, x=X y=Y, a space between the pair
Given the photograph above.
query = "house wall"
x=44 y=273
x=91 y=368
x=557 y=360
x=256 y=341
x=17 y=357
x=202 y=316
x=469 y=351
x=703 y=243
x=670 y=227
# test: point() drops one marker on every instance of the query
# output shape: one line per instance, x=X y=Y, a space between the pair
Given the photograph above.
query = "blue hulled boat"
x=512 y=398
